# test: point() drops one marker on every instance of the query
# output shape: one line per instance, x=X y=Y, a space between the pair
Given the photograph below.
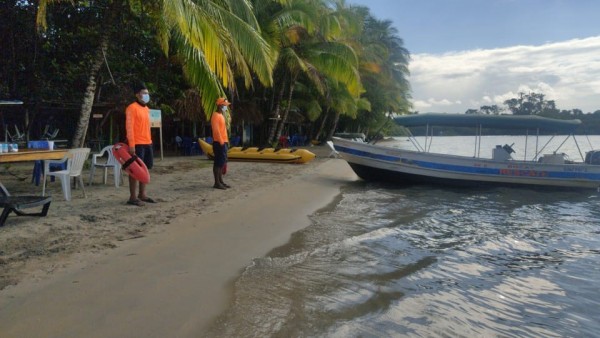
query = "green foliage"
x=536 y=104
x=135 y=6
x=384 y=72
x=17 y=51
x=333 y=60
x=531 y=104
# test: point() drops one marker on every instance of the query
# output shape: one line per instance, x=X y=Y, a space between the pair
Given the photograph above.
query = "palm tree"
x=213 y=39
x=305 y=32
x=384 y=66
x=383 y=70
x=344 y=104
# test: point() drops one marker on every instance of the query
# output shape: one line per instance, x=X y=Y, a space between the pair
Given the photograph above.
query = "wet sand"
x=165 y=270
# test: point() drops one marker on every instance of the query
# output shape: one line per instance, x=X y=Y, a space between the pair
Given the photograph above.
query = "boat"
x=255 y=154
x=374 y=162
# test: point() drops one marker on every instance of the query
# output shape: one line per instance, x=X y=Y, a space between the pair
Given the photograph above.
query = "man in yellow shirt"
x=220 y=141
x=137 y=125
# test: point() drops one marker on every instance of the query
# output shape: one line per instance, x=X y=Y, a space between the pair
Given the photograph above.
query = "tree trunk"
x=322 y=127
x=336 y=119
x=88 y=98
x=287 y=110
x=275 y=115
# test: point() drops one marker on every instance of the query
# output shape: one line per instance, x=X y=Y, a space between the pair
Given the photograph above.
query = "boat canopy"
x=489 y=121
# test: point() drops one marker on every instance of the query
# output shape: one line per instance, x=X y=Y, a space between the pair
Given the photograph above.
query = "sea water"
x=421 y=261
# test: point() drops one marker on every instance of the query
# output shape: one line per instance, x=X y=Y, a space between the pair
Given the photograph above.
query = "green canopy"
x=489 y=121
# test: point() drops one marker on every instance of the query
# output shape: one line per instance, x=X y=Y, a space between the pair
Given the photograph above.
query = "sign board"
x=97 y=116
x=155 y=118
x=156 y=122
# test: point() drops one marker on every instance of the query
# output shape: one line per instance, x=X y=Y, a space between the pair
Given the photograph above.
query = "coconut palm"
x=344 y=104
x=213 y=39
x=305 y=32
x=384 y=66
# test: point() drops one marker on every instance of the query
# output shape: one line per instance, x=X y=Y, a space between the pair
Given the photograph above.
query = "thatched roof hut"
x=248 y=112
x=189 y=107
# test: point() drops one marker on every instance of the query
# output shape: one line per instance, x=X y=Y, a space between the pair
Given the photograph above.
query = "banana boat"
x=284 y=155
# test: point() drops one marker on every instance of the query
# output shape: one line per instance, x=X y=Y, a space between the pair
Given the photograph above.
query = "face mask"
x=145 y=98
x=224 y=109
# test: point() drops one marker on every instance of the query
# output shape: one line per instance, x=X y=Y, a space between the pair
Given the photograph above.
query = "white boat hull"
x=380 y=163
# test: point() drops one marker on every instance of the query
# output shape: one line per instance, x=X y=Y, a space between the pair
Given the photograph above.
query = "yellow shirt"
x=137 y=124
x=219 y=128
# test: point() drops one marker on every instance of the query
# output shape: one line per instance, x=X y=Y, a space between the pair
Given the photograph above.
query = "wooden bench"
x=17 y=203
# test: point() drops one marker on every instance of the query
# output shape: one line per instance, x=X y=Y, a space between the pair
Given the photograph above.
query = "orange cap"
x=222 y=102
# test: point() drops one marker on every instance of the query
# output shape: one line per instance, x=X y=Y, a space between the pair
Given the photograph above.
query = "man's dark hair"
x=138 y=86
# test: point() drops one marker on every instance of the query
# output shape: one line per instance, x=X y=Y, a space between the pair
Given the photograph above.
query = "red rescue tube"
x=132 y=165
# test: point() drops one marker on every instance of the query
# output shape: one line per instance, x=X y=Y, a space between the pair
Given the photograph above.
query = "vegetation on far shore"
x=525 y=104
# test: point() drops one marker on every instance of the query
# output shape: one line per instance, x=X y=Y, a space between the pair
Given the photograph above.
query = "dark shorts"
x=220 y=152
x=144 y=152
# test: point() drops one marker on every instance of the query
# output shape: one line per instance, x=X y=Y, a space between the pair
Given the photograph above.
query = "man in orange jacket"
x=220 y=141
x=137 y=125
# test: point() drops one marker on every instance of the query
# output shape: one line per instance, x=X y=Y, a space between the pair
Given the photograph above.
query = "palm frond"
x=201 y=77
x=311 y=107
x=252 y=47
x=332 y=59
x=244 y=10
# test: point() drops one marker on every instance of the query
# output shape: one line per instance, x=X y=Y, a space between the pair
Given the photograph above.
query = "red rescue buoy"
x=132 y=165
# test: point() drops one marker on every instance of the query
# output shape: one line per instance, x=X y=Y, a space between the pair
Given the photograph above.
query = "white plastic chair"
x=17 y=136
x=334 y=153
x=111 y=162
x=75 y=159
x=50 y=135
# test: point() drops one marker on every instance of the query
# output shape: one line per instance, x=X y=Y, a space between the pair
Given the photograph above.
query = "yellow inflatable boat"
x=285 y=155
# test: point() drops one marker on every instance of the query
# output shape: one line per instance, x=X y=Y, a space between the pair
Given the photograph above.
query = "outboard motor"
x=508 y=148
x=502 y=153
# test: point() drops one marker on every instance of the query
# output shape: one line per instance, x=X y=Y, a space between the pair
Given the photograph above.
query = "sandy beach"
x=97 y=267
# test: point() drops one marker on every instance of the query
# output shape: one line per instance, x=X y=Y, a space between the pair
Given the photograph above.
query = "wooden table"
x=24 y=155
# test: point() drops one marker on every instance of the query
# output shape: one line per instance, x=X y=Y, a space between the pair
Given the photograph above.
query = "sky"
x=469 y=53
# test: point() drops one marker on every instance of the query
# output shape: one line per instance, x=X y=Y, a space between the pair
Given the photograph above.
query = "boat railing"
x=414 y=141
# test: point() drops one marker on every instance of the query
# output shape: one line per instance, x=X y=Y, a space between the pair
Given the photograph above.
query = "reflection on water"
x=429 y=262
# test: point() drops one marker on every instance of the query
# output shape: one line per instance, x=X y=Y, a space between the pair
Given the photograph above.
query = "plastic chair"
x=38 y=165
x=51 y=135
x=235 y=141
x=302 y=140
x=17 y=137
x=48 y=134
x=75 y=159
x=179 y=144
x=196 y=148
x=187 y=146
x=16 y=204
x=111 y=162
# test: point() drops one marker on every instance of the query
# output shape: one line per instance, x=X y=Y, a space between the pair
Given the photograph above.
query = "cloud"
x=567 y=72
x=431 y=102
